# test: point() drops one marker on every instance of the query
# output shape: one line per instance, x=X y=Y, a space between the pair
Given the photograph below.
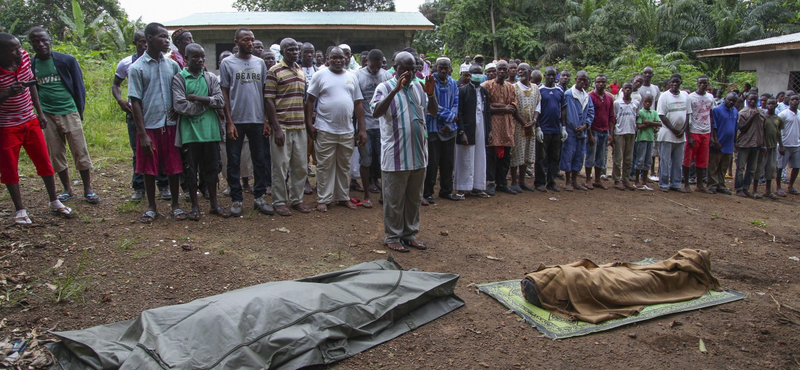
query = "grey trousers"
x=402 y=197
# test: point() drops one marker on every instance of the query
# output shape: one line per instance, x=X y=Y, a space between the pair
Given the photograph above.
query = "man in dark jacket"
x=63 y=98
x=474 y=129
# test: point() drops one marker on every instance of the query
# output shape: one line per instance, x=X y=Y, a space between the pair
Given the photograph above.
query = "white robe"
x=470 y=166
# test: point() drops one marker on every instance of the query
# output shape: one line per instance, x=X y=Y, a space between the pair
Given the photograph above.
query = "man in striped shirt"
x=442 y=134
x=283 y=96
x=401 y=104
x=21 y=128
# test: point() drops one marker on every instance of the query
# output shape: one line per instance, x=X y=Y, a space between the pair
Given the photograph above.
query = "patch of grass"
x=72 y=283
x=758 y=223
x=142 y=253
x=125 y=244
x=714 y=214
x=129 y=206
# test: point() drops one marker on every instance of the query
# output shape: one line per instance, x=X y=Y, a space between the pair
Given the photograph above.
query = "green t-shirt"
x=205 y=127
x=772 y=131
x=53 y=94
x=646 y=134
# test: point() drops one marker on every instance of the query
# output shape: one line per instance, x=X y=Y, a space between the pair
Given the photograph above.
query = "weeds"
x=125 y=244
x=72 y=284
x=128 y=206
x=758 y=223
x=714 y=215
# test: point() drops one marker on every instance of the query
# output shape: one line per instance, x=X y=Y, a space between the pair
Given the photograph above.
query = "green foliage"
x=737 y=80
x=72 y=283
x=315 y=5
x=45 y=13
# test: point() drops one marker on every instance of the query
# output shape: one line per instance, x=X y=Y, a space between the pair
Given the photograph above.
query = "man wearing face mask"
x=472 y=136
x=442 y=135
x=401 y=105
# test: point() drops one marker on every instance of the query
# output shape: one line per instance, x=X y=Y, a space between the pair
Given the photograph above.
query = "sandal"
x=599 y=185
x=220 y=211
x=62 y=210
x=414 y=244
x=179 y=214
x=21 y=218
x=366 y=203
x=148 y=217
x=781 y=193
x=355 y=201
x=397 y=247
x=92 y=198
x=65 y=197
x=194 y=215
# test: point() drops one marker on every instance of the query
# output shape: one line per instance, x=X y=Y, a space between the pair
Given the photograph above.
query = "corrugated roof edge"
x=381 y=19
x=777 y=43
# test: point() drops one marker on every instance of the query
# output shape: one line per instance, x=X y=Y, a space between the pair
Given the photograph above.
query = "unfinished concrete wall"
x=772 y=68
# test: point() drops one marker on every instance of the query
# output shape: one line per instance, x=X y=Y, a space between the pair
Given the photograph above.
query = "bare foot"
x=322 y=207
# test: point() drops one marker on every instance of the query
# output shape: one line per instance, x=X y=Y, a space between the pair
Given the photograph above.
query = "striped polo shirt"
x=404 y=136
x=17 y=109
x=150 y=80
x=288 y=87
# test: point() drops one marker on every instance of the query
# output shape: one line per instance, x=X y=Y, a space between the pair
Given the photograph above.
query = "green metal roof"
x=304 y=20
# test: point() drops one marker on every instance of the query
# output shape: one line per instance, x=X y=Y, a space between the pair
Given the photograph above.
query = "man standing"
x=472 y=137
x=563 y=80
x=63 y=97
x=647 y=88
x=723 y=134
x=307 y=60
x=181 y=38
x=442 y=135
x=580 y=114
x=600 y=136
x=137 y=180
x=150 y=78
x=401 y=105
x=791 y=140
x=242 y=78
x=466 y=77
x=335 y=95
x=551 y=131
x=524 y=151
x=503 y=100
x=626 y=110
x=196 y=96
x=699 y=138
x=21 y=128
x=674 y=110
x=350 y=64
x=467 y=63
x=370 y=154
x=319 y=59
x=283 y=94
x=750 y=143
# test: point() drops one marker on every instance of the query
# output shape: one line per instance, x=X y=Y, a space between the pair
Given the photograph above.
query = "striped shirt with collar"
x=287 y=86
x=404 y=135
x=150 y=80
x=17 y=109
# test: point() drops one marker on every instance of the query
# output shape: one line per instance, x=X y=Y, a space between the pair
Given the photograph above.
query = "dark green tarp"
x=279 y=325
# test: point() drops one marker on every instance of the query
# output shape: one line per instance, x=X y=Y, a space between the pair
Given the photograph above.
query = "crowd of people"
x=401 y=127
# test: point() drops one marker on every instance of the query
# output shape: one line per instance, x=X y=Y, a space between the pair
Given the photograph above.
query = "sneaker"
x=506 y=189
x=165 y=193
x=137 y=195
x=236 y=209
x=645 y=187
x=490 y=189
x=653 y=178
x=262 y=206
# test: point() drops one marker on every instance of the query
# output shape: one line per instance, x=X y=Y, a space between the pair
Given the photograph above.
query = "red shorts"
x=698 y=152
x=165 y=154
x=29 y=136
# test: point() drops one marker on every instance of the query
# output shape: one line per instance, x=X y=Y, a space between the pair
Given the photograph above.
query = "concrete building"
x=776 y=61
x=387 y=31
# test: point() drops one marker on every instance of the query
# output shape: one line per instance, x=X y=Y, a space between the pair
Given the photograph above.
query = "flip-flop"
x=366 y=203
x=148 y=217
x=91 y=198
x=65 y=197
x=401 y=249
x=781 y=193
x=194 y=216
x=794 y=192
x=355 y=201
x=63 y=210
x=179 y=214
x=21 y=218
x=220 y=211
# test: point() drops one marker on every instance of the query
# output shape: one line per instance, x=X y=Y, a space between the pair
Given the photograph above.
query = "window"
x=794 y=81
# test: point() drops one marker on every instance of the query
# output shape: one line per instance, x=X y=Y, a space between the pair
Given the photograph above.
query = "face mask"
x=477 y=78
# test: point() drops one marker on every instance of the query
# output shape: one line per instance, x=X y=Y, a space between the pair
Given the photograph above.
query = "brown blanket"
x=585 y=291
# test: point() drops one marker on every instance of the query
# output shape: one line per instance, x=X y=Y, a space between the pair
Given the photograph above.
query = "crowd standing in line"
x=273 y=112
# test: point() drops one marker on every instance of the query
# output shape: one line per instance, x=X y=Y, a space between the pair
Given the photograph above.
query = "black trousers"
x=496 y=167
x=548 y=155
x=441 y=159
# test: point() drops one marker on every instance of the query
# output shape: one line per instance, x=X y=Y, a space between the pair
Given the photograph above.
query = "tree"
x=315 y=5
x=45 y=13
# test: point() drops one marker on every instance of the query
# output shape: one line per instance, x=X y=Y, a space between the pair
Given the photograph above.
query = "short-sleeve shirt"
x=754 y=137
x=202 y=128
x=150 y=80
x=368 y=82
x=701 y=112
x=122 y=67
x=54 y=97
x=773 y=125
x=336 y=93
x=287 y=86
x=503 y=127
x=625 y=114
x=724 y=122
x=404 y=135
x=675 y=108
x=244 y=79
x=791 y=130
x=552 y=102
x=651 y=90
x=646 y=134
x=17 y=109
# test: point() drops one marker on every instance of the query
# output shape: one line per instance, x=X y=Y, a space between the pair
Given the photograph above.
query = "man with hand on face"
x=335 y=94
x=442 y=135
x=151 y=99
x=401 y=105
x=63 y=97
x=242 y=78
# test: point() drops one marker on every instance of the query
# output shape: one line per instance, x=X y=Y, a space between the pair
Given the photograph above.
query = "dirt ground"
x=130 y=267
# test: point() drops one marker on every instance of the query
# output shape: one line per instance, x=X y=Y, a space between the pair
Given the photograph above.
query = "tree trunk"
x=494 y=40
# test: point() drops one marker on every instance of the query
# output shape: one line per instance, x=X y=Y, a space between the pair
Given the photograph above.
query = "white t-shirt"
x=701 y=112
x=675 y=108
x=626 y=114
x=335 y=95
x=651 y=90
x=791 y=130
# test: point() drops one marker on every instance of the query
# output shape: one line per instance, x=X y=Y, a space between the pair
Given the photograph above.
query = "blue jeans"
x=137 y=180
x=233 y=148
x=596 y=154
x=671 y=168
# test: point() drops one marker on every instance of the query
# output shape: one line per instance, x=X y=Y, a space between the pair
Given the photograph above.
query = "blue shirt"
x=447 y=97
x=150 y=80
x=552 y=101
x=725 y=123
x=577 y=115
